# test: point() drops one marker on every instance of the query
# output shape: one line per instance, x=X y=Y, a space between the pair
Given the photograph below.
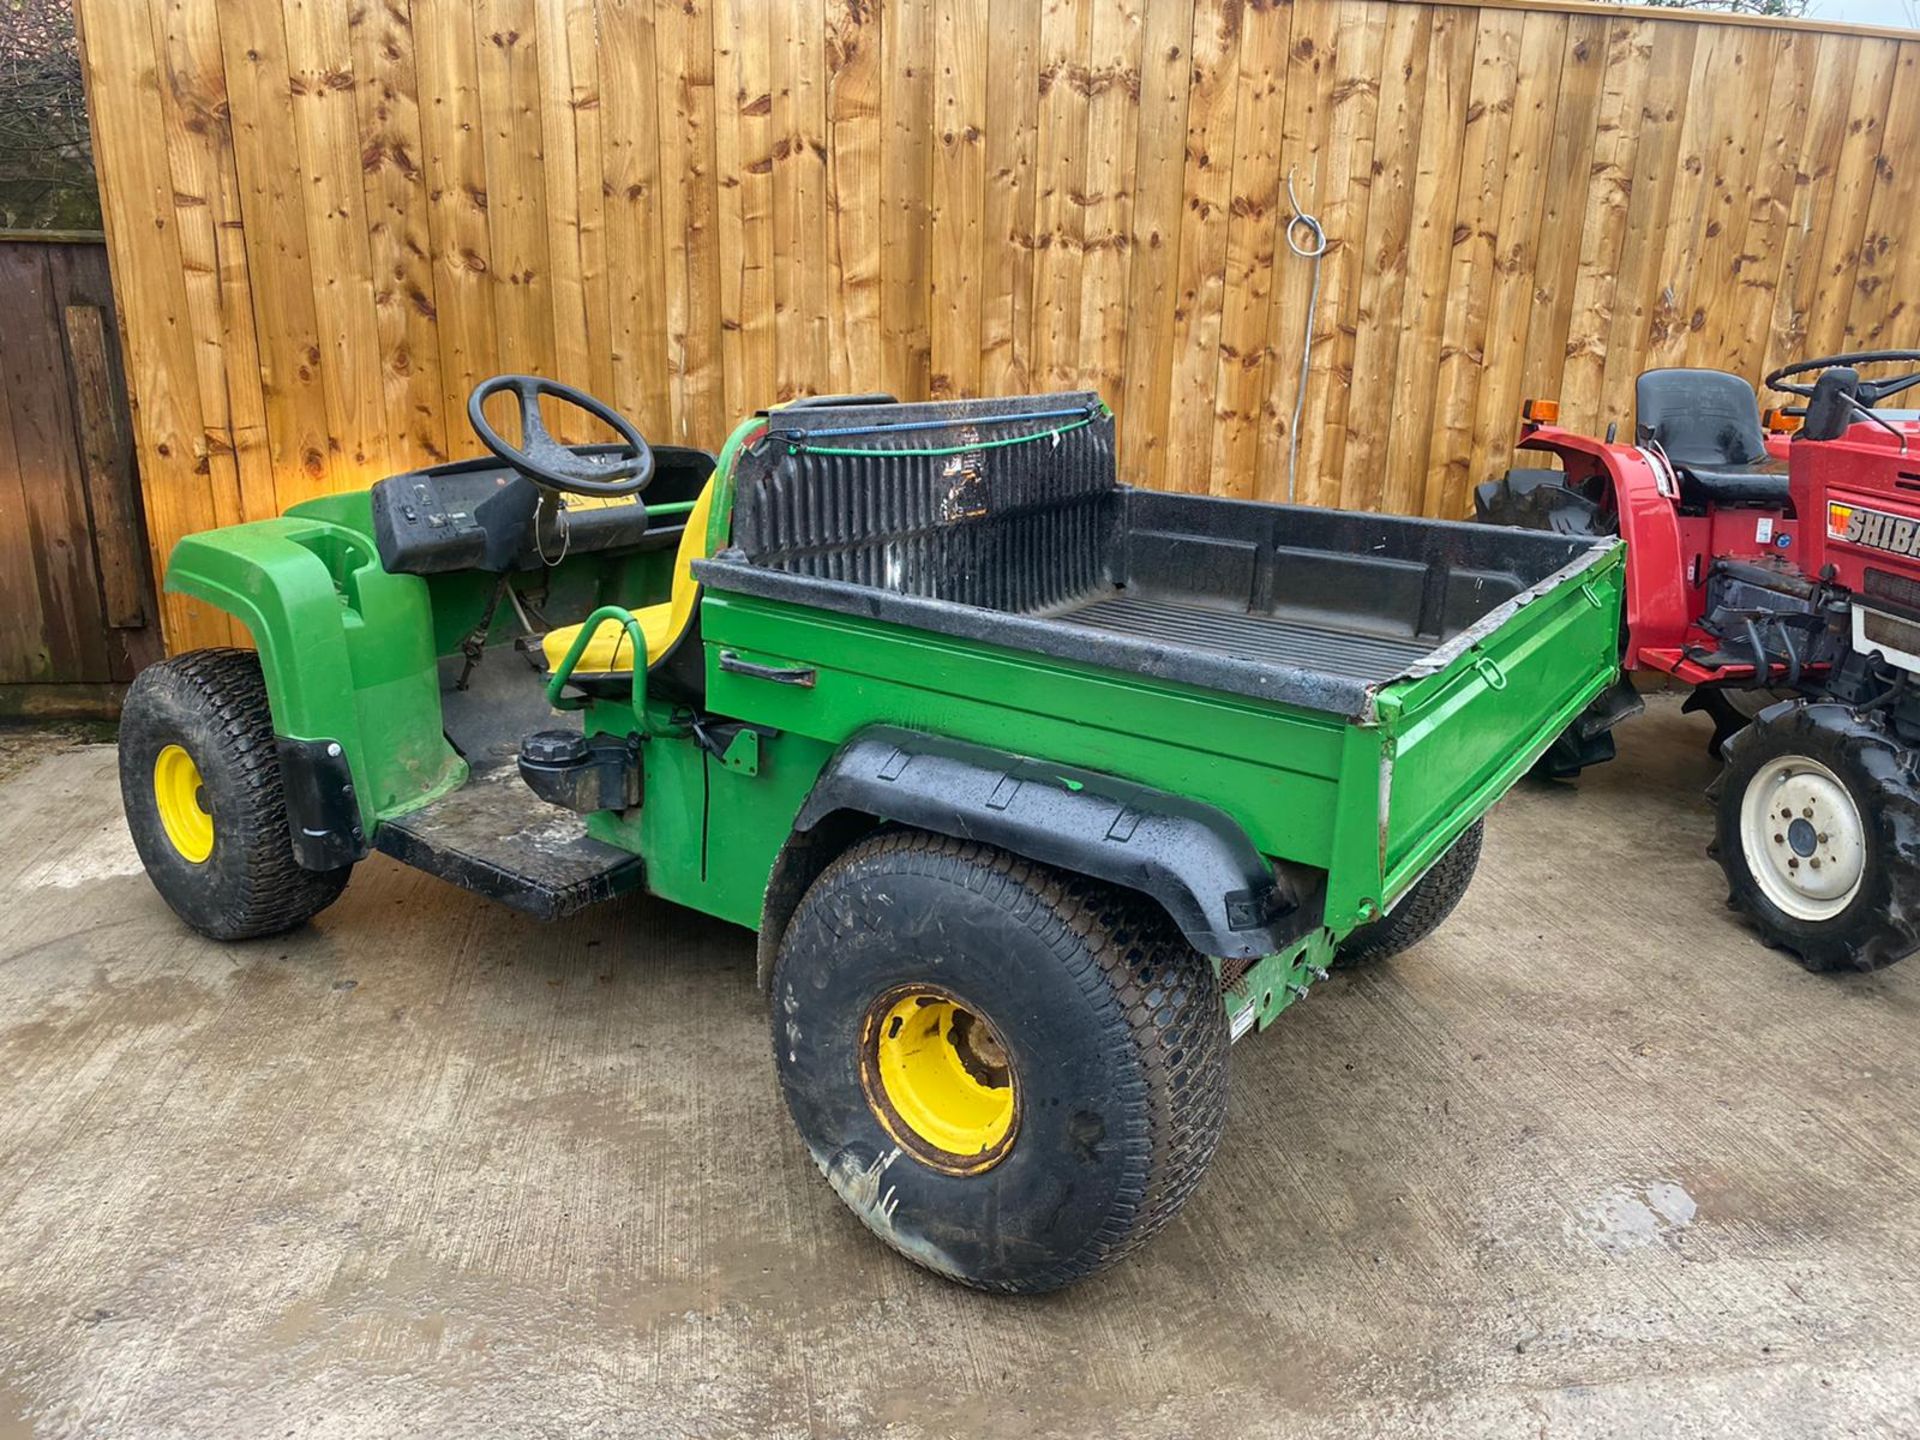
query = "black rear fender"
x=1194 y=861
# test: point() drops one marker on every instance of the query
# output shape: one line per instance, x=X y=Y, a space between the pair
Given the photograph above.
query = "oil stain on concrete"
x=1590 y=1161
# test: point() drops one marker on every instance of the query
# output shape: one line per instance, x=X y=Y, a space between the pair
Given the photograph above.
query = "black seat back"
x=1700 y=417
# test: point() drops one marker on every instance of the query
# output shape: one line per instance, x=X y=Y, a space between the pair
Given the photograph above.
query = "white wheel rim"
x=1803 y=839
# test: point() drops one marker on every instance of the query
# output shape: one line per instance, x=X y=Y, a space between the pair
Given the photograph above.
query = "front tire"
x=200 y=780
x=1012 y=1075
x=1818 y=832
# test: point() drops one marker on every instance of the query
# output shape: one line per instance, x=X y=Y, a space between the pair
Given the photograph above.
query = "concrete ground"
x=1588 y=1161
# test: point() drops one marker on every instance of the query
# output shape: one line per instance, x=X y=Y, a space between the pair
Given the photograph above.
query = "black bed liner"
x=1035 y=547
x=1250 y=637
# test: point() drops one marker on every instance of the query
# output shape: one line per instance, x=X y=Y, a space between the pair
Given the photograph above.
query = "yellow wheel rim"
x=939 y=1080
x=177 y=790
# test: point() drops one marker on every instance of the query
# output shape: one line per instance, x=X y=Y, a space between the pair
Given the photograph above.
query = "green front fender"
x=346 y=649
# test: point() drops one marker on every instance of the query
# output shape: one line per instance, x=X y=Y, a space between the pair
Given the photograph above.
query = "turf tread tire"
x=1157 y=996
x=213 y=702
x=1432 y=900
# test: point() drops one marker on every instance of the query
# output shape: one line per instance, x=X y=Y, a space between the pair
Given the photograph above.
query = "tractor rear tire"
x=1011 y=1074
x=1538 y=499
x=1731 y=711
x=1422 y=908
x=1813 y=797
x=200 y=780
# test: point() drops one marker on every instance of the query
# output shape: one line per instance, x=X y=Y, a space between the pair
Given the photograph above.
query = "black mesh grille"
x=1885 y=585
x=1014 y=527
x=1891 y=631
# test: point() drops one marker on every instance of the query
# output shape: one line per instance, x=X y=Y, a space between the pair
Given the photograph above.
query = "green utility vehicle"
x=1039 y=789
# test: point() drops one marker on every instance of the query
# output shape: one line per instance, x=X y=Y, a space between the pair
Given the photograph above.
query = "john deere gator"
x=1040 y=790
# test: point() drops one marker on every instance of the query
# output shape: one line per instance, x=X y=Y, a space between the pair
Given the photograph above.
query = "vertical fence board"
x=1159 y=165
x=455 y=173
x=1881 y=313
x=507 y=71
x=688 y=218
x=856 y=360
x=1381 y=302
x=1436 y=190
x=200 y=153
x=1572 y=161
x=800 y=200
x=625 y=270
x=1483 y=169
x=1200 y=288
x=399 y=235
x=906 y=144
x=1113 y=85
x=573 y=207
x=1830 y=317
x=1516 y=250
x=55 y=503
x=1358 y=78
x=955 y=216
x=1603 y=234
x=1266 y=85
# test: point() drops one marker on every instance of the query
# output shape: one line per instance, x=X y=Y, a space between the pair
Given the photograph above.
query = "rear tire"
x=1818 y=833
x=1422 y=908
x=200 y=780
x=1088 y=1020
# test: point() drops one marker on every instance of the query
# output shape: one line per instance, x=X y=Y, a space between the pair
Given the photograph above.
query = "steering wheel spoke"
x=546 y=461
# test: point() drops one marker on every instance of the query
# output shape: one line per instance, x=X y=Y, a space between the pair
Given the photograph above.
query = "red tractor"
x=1775 y=568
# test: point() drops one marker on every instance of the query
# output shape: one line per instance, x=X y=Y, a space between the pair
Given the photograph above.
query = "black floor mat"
x=497 y=838
x=1265 y=638
x=494 y=836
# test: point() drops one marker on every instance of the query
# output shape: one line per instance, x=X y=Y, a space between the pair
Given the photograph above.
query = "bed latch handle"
x=1490 y=671
x=801 y=675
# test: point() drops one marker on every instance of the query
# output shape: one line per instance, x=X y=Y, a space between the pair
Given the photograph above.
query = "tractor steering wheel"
x=543 y=459
x=1870 y=392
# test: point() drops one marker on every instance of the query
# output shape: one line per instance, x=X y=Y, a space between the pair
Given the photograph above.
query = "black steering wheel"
x=1868 y=393
x=543 y=459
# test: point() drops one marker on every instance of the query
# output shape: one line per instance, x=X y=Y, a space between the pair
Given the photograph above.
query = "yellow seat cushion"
x=610 y=651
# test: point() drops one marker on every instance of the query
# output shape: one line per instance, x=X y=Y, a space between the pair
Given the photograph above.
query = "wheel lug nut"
x=1793 y=864
x=1779 y=839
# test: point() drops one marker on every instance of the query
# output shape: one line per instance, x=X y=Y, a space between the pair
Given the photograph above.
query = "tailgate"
x=1457 y=738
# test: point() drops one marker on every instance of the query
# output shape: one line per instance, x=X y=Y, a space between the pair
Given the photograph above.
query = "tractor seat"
x=1708 y=424
x=609 y=654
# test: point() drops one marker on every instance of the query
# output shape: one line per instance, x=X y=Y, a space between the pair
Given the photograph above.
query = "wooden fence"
x=76 y=604
x=329 y=219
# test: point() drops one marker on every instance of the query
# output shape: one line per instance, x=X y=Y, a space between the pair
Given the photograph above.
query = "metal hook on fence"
x=1313 y=249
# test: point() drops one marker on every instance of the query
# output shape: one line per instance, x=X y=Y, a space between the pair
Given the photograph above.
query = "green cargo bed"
x=1353 y=690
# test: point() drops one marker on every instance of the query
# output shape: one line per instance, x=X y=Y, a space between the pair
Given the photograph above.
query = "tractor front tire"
x=1422 y=908
x=1012 y=1075
x=200 y=780
x=1818 y=832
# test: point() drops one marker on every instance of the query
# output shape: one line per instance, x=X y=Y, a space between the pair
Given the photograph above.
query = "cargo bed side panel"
x=1458 y=738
